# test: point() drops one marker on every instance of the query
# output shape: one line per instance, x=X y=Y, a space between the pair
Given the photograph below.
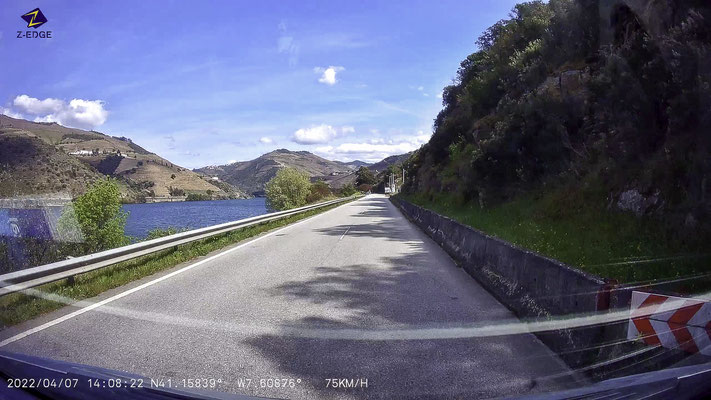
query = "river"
x=189 y=214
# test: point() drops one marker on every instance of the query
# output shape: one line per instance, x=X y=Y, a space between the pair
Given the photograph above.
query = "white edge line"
x=344 y=234
x=61 y=319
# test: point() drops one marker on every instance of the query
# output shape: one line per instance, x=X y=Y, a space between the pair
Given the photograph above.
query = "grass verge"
x=576 y=228
x=19 y=307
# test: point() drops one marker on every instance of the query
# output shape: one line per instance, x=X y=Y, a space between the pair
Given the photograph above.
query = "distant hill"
x=355 y=164
x=382 y=165
x=47 y=158
x=251 y=176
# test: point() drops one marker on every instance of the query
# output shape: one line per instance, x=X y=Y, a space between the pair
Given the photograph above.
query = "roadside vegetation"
x=291 y=188
x=383 y=177
x=613 y=245
x=95 y=219
x=18 y=307
x=581 y=136
x=93 y=222
x=288 y=189
x=365 y=179
x=347 y=190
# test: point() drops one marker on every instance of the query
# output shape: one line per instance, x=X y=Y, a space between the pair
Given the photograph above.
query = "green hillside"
x=47 y=159
x=580 y=115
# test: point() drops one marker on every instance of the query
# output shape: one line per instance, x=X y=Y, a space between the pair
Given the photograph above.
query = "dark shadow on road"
x=384 y=230
x=394 y=292
x=385 y=222
x=396 y=297
x=378 y=295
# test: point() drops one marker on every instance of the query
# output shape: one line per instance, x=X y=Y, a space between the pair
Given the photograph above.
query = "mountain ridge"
x=251 y=176
x=45 y=158
x=41 y=158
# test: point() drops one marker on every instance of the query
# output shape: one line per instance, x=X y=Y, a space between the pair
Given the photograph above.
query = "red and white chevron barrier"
x=671 y=322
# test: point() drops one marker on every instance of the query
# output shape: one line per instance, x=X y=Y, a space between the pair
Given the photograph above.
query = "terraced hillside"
x=47 y=158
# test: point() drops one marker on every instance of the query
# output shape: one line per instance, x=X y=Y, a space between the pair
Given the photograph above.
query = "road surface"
x=325 y=298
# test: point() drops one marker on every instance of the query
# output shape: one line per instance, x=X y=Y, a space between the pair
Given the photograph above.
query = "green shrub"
x=197 y=197
x=288 y=189
x=348 y=190
x=365 y=187
x=365 y=176
x=97 y=217
x=319 y=190
x=175 y=191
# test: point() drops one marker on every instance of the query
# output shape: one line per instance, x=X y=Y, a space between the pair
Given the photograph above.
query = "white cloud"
x=10 y=113
x=231 y=161
x=328 y=75
x=78 y=113
x=320 y=134
x=439 y=95
x=35 y=106
x=315 y=135
x=420 y=88
x=265 y=140
x=373 y=149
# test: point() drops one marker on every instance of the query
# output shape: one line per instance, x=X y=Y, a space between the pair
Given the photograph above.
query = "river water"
x=189 y=214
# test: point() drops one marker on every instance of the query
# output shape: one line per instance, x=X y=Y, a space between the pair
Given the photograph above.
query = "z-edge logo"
x=34 y=18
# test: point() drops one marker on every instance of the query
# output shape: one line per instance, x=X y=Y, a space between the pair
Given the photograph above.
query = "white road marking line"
x=344 y=233
x=147 y=284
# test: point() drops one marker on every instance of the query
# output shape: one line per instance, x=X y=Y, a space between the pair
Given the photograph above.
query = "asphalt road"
x=357 y=293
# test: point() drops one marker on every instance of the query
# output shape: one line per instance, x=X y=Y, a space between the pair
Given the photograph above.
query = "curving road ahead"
x=356 y=293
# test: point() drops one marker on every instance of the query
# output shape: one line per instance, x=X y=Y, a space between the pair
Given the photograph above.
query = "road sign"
x=671 y=322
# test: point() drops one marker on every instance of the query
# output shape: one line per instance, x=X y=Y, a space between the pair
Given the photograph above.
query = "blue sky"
x=209 y=82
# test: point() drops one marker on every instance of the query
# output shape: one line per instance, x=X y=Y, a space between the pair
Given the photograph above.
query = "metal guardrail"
x=36 y=276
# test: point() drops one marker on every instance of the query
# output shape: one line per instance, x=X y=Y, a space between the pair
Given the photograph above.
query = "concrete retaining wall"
x=536 y=287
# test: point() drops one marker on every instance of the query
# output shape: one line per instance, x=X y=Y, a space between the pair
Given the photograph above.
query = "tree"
x=97 y=216
x=365 y=188
x=365 y=177
x=319 y=191
x=288 y=189
x=176 y=191
x=348 y=190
